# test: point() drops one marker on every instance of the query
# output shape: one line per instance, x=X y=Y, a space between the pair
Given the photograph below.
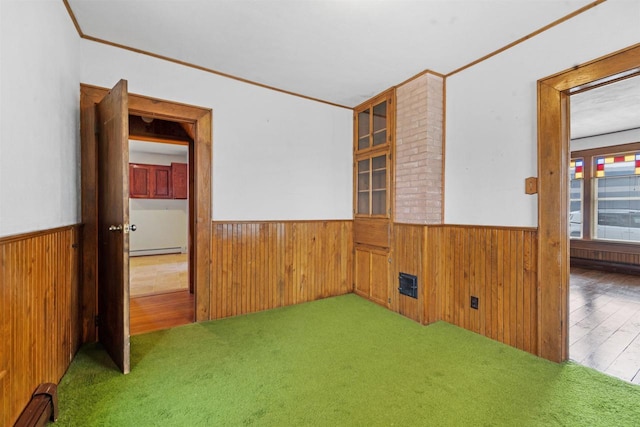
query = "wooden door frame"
x=553 y=193
x=200 y=119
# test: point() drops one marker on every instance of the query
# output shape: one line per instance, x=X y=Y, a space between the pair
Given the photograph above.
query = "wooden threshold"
x=163 y=311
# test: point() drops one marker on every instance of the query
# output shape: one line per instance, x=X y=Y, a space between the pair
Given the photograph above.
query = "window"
x=605 y=204
x=576 y=175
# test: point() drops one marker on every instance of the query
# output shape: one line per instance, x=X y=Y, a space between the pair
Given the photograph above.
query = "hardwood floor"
x=153 y=274
x=160 y=298
x=162 y=311
x=604 y=322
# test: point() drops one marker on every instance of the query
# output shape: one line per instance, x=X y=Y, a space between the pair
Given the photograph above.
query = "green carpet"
x=335 y=362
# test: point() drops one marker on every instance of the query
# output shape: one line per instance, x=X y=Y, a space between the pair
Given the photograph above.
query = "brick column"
x=418 y=161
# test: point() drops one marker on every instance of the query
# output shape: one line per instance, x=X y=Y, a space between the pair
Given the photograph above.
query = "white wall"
x=491 y=120
x=275 y=156
x=617 y=138
x=39 y=87
x=162 y=224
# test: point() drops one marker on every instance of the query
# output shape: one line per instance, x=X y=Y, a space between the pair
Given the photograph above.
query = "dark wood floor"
x=161 y=311
x=604 y=322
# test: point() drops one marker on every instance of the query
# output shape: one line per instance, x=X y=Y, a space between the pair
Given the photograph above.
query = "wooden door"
x=113 y=224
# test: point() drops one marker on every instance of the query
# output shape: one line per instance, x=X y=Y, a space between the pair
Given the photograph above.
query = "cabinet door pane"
x=379 y=202
x=364 y=174
x=379 y=162
x=363 y=203
x=379 y=185
x=380 y=124
x=363 y=130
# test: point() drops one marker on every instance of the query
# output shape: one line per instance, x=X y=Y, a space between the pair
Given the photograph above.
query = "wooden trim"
x=188 y=64
x=444 y=147
x=73 y=18
x=159 y=140
x=488 y=227
x=553 y=157
x=597 y=84
x=592 y=152
x=593 y=71
x=209 y=70
x=38 y=233
x=284 y=221
x=527 y=37
x=201 y=163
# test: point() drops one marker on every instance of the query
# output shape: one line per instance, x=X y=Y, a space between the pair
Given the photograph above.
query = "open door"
x=113 y=224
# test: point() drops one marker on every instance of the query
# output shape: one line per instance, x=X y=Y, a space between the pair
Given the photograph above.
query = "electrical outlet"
x=474 y=302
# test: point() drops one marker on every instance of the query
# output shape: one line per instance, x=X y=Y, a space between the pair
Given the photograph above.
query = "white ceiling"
x=157 y=148
x=611 y=108
x=338 y=51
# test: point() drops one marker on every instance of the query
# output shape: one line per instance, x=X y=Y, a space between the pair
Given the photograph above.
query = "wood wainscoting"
x=455 y=262
x=39 y=313
x=617 y=257
x=263 y=265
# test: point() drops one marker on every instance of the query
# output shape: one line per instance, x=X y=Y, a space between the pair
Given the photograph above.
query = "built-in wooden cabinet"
x=372 y=274
x=374 y=130
x=372 y=149
x=158 y=181
x=180 y=180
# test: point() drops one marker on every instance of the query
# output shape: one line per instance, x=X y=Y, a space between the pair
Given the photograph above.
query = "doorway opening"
x=604 y=227
x=553 y=192
x=161 y=291
x=98 y=125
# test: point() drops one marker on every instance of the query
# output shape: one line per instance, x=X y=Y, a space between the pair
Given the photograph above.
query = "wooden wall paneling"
x=408 y=257
x=39 y=313
x=498 y=265
x=259 y=266
x=6 y=313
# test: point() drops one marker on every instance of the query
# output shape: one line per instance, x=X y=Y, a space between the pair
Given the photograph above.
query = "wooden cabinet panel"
x=158 y=181
x=373 y=232
x=139 y=182
x=363 y=263
x=372 y=274
x=379 y=277
x=161 y=182
x=179 y=177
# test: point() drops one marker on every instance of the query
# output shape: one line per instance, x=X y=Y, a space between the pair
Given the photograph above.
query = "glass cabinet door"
x=363 y=187
x=380 y=124
x=379 y=185
x=363 y=130
x=372 y=149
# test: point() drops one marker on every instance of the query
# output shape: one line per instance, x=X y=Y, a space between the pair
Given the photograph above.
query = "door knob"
x=115 y=227
x=133 y=227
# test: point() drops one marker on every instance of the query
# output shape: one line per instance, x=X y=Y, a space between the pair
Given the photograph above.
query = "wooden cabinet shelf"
x=158 y=181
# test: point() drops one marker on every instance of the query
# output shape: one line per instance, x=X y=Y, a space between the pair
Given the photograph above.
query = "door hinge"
x=96 y=320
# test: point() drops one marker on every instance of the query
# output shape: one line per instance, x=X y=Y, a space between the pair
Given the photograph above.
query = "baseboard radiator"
x=42 y=407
